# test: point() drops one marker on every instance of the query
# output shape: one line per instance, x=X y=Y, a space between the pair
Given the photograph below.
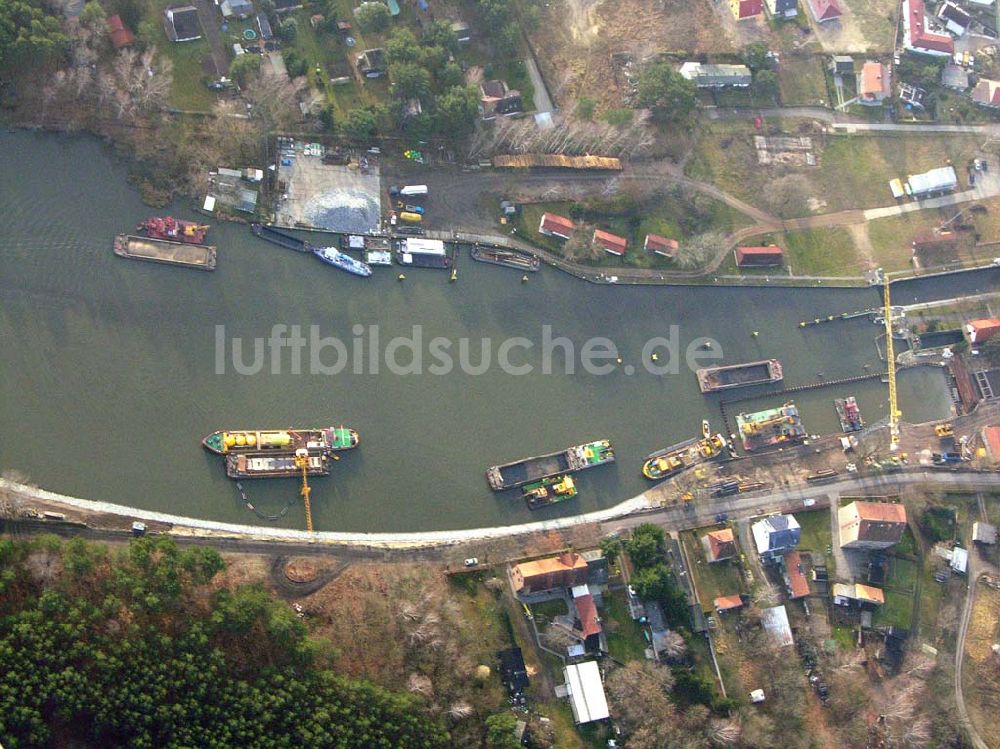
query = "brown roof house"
x=825 y=10
x=727 y=603
x=611 y=243
x=553 y=225
x=980 y=331
x=563 y=571
x=873 y=84
x=495 y=99
x=661 y=245
x=759 y=257
x=794 y=576
x=871 y=525
x=719 y=545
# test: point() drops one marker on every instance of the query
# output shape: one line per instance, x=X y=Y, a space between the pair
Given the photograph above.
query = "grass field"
x=803 y=81
x=896 y=611
x=816 y=534
x=903 y=575
x=811 y=252
x=874 y=18
x=625 y=639
x=712 y=580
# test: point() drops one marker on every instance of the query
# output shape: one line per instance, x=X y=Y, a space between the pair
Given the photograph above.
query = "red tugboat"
x=170 y=228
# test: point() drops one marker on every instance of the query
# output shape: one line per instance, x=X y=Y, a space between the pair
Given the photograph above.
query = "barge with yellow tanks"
x=772 y=428
x=319 y=440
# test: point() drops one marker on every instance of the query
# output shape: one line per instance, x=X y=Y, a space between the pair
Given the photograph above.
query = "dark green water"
x=107 y=371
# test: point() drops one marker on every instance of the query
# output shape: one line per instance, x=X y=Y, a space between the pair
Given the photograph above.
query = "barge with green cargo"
x=578 y=458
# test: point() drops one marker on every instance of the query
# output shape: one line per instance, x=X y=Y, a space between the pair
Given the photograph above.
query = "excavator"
x=756 y=427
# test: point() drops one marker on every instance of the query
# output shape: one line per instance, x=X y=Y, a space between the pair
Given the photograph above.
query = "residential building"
x=120 y=36
x=775 y=622
x=917 y=36
x=611 y=243
x=181 y=23
x=856 y=594
x=495 y=99
x=586 y=692
x=776 y=534
x=553 y=225
x=842 y=64
x=955 y=77
x=590 y=621
x=265 y=27
x=980 y=331
x=959 y=560
x=873 y=84
x=782 y=8
x=744 y=9
x=956 y=21
x=372 y=63
x=759 y=257
x=940 y=180
x=719 y=545
x=236 y=8
x=984 y=533
x=871 y=525
x=563 y=571
x=727 y=603
x=987 y=93
x=661 y=245
x=716 y=76
x=794 y=576
x=825 y=10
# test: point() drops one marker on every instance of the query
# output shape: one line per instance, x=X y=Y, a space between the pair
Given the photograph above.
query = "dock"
x=202 y=257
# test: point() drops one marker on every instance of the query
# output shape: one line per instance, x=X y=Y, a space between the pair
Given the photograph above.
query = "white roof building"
x=959 y=560
x=586 y=692
x=775 y=623
x=942 y=179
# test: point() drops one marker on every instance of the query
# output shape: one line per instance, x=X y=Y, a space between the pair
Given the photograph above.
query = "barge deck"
x=202 y=257
x=578 y=458
x=281 y=238
x=507 y=258
x=260 y=465
x=713 y=379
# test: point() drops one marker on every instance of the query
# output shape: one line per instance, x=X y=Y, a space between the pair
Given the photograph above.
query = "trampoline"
x=249 y=34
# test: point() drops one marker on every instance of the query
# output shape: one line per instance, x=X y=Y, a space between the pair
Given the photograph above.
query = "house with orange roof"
x=611 y=243
x=980 y=331
x=871 y=525
x=719 y=545
x=873 y=84
x=794 y=575
x=563 y=571
x=857 y=594
x=727 y=603
x=553 y=225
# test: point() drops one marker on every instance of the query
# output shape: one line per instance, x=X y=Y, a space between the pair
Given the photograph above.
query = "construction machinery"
x=890 y=359
x=302 y=463
x=755 y=427
x=944 y=431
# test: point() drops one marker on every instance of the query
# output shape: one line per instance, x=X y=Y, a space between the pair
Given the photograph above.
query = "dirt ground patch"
x=865 y=26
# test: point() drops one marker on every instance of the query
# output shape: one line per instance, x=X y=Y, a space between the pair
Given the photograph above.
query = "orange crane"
x=302 y=462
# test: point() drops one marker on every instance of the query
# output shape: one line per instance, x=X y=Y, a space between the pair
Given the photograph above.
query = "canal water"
x=109 y=375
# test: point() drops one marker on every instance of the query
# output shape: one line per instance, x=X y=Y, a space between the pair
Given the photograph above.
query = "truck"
x=946 y=459
x=408 y=191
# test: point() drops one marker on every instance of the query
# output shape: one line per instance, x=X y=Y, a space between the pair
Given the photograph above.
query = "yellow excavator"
x=302 y=463
x=754 y=427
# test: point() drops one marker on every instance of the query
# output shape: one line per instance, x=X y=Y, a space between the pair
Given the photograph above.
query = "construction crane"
x=890 y=358
x=302 y=463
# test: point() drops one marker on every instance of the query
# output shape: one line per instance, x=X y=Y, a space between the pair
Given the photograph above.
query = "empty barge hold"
x=323 y=439
x=849 y=414
x=201 y=257
x=712 y=379
x=263 y=465
x=550 y=491
x=507 y=258
x=278 y=237
x=518 y=473
x=775 y=427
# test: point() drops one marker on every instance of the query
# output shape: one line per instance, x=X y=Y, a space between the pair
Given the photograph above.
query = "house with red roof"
x=553 y=225
x=871 y=525
x=744 y=9
x=759 y=257
x=727 y=603
x=120 y=36
x=661 y=245
x=873 y=84
x=980 y=331
x=825 y=10
x=611 y=243
x=719 y=545
x=795 y=576
x=987 y=93
x=917 y=36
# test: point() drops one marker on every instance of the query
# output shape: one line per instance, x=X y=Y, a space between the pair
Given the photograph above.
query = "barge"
x=323 y=439
x=672 y=460
x=849 y=414
x=201 y=257
x=578 y=458
x=775 y=427
x=507 y=258
x=421 y=260
x=713 y=379
x=261 y=465
x=174 y=230
x=549 y=491
x=281 y=238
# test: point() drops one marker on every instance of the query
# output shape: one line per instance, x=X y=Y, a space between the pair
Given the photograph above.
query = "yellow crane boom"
x=302 y=462
x=890 y=357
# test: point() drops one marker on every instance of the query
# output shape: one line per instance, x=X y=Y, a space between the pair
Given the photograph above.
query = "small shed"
x=612 y=243
x=727 y=603
x=182 y=23
x=842 y=64
x=960 y=560
x=759 y=257
x=955 y=77
x=984 y=533
x=554 y=225
x=661 y=245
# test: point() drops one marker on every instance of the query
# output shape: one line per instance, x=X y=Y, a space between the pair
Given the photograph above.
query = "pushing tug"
x=175 y=230
x=323 y=440
x=672 y=460
x=548 y=491
x=775 y=427
x=578 y=458
x=849 y=414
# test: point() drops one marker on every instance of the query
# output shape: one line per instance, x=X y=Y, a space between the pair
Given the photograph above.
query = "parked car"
x=472 y=561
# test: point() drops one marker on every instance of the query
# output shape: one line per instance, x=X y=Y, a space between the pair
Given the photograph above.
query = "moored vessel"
x=281 y=238
x=849 y=414
x=773 y=427
x=548 y=491
x=176 y=230
x=672 y=460
x=506 y=258
x=578 y=458
x=323 y=439
x=259 y=465
x=712 y=379
x=200 y=256
x=343 y=261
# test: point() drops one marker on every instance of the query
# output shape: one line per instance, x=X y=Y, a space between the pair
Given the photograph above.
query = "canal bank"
x=109 y=375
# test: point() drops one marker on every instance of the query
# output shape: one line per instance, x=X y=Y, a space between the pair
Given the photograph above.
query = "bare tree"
x=275 y=99
x=699 y=250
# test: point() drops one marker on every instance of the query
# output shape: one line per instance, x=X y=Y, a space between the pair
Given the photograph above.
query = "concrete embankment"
x=24 y=495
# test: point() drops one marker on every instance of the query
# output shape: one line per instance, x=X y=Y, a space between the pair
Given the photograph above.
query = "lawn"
x=549 y=610
x=816 y=535
x=810 y=252
x=902 y=575
x=803 y=81
x=189 y=91
x=874 y=18
x=626 y=641
x=896 y=611
x=845 y=637
x=712 y=580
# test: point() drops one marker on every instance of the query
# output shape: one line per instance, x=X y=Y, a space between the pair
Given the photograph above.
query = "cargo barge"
x=520 y=472
x=174 y=230
x=849 y=414
x=507 y=258
x=323 y=439
x=281 y=238
x=775 y=427
x=712 y=379
x=261 y=465
x=420 y=260
x=197 y=256
x=549 y=491
x=672 y=460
